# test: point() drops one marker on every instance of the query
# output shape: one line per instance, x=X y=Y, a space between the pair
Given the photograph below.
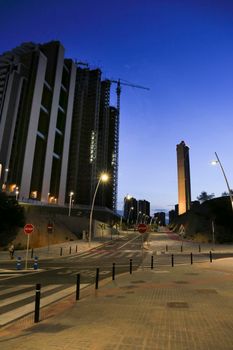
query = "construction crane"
x=118 y=90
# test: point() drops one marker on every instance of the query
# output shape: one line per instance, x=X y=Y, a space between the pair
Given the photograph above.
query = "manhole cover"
x=206 y=291
x=181 y=282
x=177 y=305
x=138 y=282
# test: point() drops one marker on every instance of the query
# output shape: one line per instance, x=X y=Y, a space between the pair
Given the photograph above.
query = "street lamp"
x=139 y=213
x=214 y=162
x=104 y=178
x=16 y=193
x=127 y=198
x=131 y=208
x=70 y=202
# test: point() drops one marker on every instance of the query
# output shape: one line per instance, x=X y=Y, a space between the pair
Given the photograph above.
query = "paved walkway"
x=184 y=307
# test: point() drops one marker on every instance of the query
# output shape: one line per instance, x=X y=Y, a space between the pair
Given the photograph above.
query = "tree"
x=226 y=193
x=204 y=196
x=11 y=217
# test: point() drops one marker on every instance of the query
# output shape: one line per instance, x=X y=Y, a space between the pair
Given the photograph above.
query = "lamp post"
x=70 y=202
x=127 y=198
x=214 y=162
x=16 y=193
x=131 y=208
x=139 y=213
x=104 y=178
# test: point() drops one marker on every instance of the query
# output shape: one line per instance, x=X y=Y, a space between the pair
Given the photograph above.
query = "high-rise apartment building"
x=130 y=209
x=184 y=186
x=82 y=170
x=36 y=101
x=93 y=146
x=57 y=129
x=144 y=207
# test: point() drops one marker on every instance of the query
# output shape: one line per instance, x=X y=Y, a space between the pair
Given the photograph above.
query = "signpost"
x=28 y=229
x=49 y=230
x=142 y=228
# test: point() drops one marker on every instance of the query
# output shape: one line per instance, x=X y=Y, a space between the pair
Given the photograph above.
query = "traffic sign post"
x=28 y=229
x=142 y=228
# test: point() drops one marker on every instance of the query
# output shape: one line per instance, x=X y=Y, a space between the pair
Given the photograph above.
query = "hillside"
x=200 y=220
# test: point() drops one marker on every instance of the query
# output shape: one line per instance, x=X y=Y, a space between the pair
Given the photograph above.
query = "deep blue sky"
x=182 y=50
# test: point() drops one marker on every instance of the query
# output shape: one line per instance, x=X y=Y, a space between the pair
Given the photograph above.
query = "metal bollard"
x=76 y=249
x=35 y=265
x=32 y=253
x=37 y=303
x=70 y=249
x=78 y=287
x=61 y=251
x=18 y=263
x=166 y=248
x=199 y=248
x=172 y=260
x=130 y=266
x=113 y=271
x=181 y=248
x=97 y=278
x=210 y=256
x=191 y=258
x=152 y=262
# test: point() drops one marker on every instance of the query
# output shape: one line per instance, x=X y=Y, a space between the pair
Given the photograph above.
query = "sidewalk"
x=185 y=307
x=57 y=250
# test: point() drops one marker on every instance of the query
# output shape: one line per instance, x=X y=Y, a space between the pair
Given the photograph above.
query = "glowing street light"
x=16 y=193
x=139 y=213
x=214 y=162
x=70 y=202
x=103 y=178
x=131 y=209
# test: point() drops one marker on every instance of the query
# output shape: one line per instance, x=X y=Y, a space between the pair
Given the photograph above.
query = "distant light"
x=214 y=162
x=104 y=177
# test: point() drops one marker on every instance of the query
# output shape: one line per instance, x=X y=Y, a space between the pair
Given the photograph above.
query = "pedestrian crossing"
x=96 y=254
x=19 y=301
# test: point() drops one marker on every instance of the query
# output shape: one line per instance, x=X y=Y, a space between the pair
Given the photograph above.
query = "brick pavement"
x=185 y=307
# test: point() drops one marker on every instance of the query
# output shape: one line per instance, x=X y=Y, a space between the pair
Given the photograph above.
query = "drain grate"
x=177 y=305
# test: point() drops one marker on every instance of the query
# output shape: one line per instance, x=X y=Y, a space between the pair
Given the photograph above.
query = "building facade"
x=57 y=129
x=130 y=210
x=36 y=102
x=184 y=185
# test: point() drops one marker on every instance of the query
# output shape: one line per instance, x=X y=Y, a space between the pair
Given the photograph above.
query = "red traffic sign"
x=28 y=229
x=142 y=228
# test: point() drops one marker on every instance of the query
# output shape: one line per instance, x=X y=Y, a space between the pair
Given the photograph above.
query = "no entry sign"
x=28 y=229
x=142 y=228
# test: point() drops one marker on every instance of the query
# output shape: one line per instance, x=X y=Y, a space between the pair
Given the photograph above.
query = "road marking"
x=26 y=295
x=30 y=307
x=13 y=289
x=128 y=242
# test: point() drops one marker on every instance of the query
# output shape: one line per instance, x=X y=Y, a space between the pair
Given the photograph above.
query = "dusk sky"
x=182 y=50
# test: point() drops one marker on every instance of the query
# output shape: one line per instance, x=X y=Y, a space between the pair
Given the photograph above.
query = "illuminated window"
x=93 y=146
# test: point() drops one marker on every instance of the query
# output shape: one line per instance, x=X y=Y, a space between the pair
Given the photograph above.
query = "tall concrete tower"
x=183 y=169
